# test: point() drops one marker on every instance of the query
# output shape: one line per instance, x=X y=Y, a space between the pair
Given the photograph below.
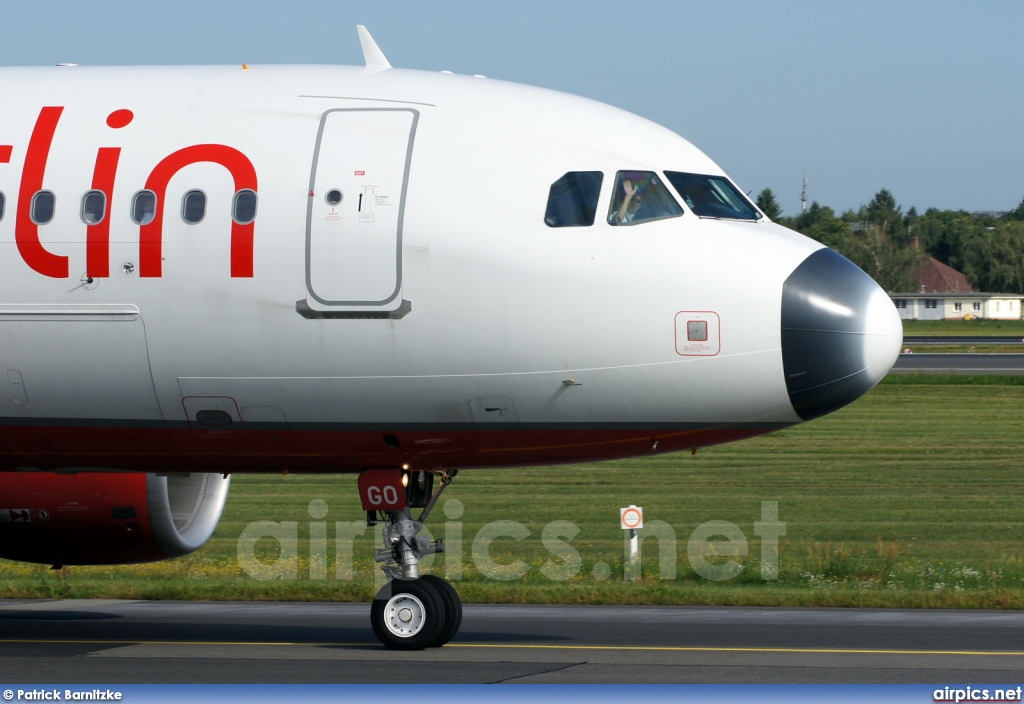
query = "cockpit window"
x=639 y=197
x=572 y=200
x=712 y=196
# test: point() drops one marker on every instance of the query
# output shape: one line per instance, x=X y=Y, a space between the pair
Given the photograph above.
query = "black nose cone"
x=840 y=334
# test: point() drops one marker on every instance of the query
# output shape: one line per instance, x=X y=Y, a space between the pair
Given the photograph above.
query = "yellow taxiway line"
x=489 y=646
x=748 y=649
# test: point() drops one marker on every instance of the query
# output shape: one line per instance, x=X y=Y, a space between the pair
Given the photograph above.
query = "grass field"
x=913 y=496
x=965 y=349
x=943 y=328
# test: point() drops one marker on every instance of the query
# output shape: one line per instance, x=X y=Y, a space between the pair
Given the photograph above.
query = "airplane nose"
x=840 y=334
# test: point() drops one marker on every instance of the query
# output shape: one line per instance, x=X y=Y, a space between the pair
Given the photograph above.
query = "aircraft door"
x=355 y=212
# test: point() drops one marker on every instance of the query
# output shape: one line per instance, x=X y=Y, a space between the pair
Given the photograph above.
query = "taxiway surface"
x=125 y=642
x=928 y=363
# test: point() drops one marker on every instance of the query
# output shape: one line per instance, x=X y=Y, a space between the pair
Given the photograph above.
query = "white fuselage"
x=430 y=318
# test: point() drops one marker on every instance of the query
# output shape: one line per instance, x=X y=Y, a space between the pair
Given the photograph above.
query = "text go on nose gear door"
x=355 y=211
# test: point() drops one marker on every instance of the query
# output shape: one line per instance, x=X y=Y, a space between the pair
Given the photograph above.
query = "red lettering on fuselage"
x=26 y=232
x=151 y=235
x=120 y=118
x=104 y=176
x=97 y=239
x=97 y=242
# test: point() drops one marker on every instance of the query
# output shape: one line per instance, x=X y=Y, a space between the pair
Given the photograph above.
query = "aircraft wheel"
x=453 y=609
x=408 y=614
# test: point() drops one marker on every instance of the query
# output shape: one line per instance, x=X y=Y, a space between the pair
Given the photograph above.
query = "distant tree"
x=768 y=205
x=993 y=258
x=883 y=212
x=944 y=234
x=875 y=237
x=1017 y=214
x=883 y=201
x=868 y=243
x=820 y=223
x=888 y=260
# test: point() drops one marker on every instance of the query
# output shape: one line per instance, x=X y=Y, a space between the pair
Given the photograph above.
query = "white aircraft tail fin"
x=371 y=52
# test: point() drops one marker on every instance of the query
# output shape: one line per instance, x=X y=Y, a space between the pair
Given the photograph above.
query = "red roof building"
x=936 y=277
x=942 y=292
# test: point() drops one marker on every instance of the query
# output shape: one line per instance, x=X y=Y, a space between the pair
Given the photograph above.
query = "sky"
x=922 y=97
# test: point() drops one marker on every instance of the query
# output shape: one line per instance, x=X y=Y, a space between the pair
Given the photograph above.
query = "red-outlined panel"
x=693 y=325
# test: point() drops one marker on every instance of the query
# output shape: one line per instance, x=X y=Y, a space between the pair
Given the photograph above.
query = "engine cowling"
x=98 y=518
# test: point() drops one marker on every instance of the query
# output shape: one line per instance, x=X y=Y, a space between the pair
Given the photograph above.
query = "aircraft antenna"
x=372 y=54
x=803 y=194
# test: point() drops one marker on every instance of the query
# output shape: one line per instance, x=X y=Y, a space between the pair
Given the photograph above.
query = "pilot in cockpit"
x=631 y=202
x=640 y=197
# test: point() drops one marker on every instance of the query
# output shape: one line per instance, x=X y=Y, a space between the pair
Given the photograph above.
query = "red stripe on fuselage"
x=314 y=451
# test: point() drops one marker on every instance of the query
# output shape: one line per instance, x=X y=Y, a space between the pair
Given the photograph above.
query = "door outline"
x=361 y=306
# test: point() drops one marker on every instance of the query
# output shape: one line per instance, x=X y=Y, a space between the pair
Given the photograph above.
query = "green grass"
x=965 y=349
x=911 y=497
x=944 y=328
x=952 y=380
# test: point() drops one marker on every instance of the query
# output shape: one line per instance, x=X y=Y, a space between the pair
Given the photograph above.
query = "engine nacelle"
x=94 y=518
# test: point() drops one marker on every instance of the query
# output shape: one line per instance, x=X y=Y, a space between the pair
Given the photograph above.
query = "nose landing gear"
x=407 y=614
x=452 y=608
x=410 y=612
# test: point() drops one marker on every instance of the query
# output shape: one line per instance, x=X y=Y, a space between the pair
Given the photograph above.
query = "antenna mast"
x=803 y=194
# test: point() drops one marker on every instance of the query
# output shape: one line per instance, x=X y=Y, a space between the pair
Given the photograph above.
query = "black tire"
x=453 y=609
x=407 y=614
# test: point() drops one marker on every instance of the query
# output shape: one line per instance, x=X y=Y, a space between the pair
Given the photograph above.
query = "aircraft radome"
x=219 y=269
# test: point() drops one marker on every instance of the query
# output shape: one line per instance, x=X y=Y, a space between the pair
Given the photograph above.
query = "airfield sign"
x=631 y=518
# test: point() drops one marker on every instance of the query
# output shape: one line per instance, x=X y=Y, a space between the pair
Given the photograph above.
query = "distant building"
x=943 y=293
x=935 y=277
x=957 y=306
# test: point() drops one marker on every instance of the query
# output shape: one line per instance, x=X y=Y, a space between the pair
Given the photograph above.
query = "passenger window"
x=639 y=197
x=43 y=205
x=243 y=210
x=94 y=207
x=143 y=207
x=193 y=207
x=712 y=196
x=572 y=200
x=3 y=202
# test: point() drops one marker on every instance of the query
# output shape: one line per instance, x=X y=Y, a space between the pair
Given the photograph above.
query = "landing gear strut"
x=410 y=612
